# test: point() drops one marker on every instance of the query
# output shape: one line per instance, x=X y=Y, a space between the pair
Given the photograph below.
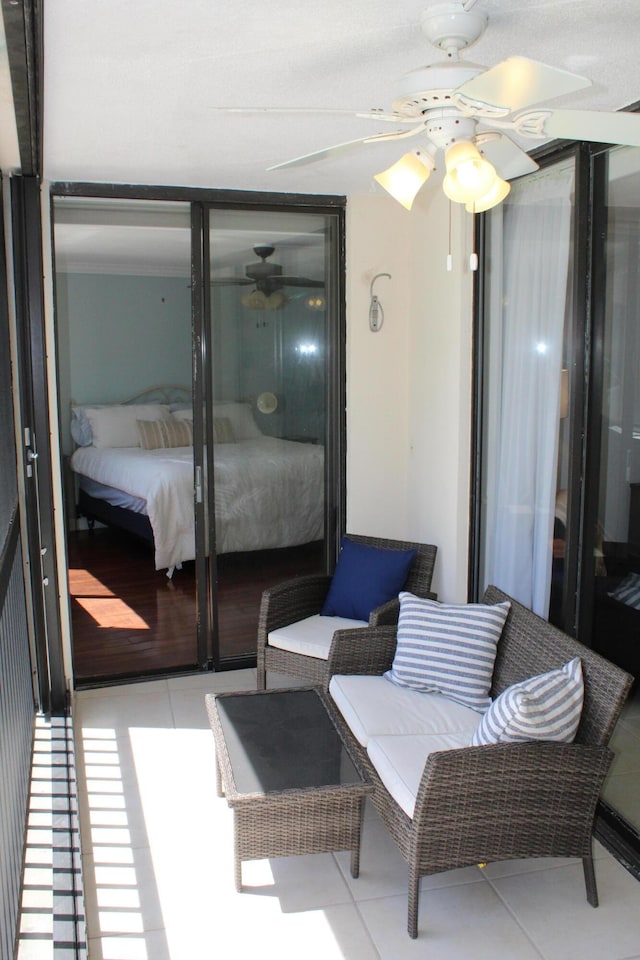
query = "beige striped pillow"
x=222 y=430
x=157 y=434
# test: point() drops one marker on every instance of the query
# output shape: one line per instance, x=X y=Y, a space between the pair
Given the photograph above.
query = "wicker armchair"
x=302 y=597
x=504 y=801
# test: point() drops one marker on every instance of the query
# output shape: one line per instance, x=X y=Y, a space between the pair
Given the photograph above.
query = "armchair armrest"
x=363 y=650
x=387 y=613
x=509 y=800
x=290 y=601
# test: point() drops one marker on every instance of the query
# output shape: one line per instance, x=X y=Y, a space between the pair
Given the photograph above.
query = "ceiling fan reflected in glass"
x=268 y=281
x=465 y=113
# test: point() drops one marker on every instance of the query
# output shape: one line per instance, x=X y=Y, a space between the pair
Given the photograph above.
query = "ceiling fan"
x=467 y=112
x=268 y=281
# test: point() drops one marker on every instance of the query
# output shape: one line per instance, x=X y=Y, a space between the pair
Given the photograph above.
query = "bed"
x=134 y=468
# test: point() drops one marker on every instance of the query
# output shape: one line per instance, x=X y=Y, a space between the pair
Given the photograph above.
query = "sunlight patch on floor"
x=112 y=612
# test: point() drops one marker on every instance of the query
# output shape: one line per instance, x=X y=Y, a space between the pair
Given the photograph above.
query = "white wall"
x=409 y=386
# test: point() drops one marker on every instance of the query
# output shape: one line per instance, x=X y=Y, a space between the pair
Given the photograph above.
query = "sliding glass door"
x=200 y=350
x=123 y=317
x=558 y=492
x=272 y=319
x=611 y=578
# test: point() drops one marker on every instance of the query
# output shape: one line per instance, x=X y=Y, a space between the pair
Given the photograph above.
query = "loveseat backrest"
x=530 y=645
x=421 y=570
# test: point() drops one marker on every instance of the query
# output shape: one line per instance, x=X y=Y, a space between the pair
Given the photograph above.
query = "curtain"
x=528 y=274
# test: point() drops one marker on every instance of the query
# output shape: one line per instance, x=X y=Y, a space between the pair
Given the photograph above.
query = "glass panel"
x=123 y=315
x=525 y=394
x=270 y=308
x=616 y=587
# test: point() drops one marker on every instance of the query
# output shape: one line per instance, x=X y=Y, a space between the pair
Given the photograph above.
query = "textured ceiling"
x=134 y=90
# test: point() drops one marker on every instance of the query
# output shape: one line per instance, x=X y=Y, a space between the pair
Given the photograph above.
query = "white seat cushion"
x=311 y=637
x=400 y=761
x=373 y=707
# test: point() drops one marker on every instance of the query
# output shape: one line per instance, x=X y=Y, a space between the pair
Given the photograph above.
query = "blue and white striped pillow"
x=628 y=591
x=546 y=707
x=448 y=648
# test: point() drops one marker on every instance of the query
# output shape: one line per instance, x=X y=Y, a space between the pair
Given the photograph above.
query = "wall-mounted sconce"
x=376 y=313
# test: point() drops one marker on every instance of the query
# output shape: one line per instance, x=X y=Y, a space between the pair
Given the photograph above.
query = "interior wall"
x=440 y=400
x=409 y=386
x=377 y=241
x=119 y=335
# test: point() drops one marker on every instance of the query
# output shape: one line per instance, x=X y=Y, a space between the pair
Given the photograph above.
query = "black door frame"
x=36 y=442
x=202 y=200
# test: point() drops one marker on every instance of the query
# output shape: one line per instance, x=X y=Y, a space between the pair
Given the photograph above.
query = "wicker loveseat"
x=503 y=801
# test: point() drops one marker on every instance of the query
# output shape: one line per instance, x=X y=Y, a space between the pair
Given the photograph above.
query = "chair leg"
x=414 y=892
x=590 y=881
x=261 y=677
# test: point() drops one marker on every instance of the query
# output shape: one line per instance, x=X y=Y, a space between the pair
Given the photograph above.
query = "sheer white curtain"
x=529 y=239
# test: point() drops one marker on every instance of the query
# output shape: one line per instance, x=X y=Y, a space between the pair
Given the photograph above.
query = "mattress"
x=268 y=492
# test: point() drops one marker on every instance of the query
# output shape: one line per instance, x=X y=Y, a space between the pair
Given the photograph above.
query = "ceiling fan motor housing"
x=452 y=28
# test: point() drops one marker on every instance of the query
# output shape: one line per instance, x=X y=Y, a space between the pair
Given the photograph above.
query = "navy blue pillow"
x=365 y=577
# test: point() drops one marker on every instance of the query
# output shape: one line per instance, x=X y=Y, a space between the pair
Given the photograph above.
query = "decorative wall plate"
x=267 y=402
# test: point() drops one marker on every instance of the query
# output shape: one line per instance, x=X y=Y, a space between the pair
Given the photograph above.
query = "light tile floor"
x=158 y=869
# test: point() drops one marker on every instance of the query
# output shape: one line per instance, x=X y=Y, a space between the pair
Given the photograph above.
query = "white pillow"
x=239 y=415
x=116 y=426
x=448 y=648
x=546 y=707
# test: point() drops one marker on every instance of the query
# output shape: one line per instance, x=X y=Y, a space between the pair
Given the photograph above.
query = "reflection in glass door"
x=273 y=302
x=615 y=570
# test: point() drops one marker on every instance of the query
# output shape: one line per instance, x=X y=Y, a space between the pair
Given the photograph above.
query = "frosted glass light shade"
x=469 y=176
x=404 y=178
x=256 y=300
x=492 y=198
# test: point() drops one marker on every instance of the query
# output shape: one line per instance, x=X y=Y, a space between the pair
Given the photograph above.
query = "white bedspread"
x=268 y=493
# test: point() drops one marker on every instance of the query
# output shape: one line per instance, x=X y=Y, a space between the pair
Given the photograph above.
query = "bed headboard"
x=173 y=396
x=170 y=393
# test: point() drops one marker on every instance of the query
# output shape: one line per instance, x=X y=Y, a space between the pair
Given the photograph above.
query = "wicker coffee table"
x=287 y=774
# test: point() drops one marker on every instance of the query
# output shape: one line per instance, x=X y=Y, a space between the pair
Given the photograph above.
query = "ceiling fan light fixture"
x=275 y=300
x=256 y=300
x=405 y=177
x=469 y=176
x=498 y=192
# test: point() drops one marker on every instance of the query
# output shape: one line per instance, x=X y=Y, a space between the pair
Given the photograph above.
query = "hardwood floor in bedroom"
x=130 y=620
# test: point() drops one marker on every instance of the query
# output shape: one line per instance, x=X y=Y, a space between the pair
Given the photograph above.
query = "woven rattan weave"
x=504 y=801
x=301 y=791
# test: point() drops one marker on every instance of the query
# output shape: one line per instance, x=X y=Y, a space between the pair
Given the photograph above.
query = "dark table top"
x=283 y=740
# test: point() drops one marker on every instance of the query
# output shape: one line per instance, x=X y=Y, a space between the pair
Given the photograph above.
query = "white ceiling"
x=133 y=90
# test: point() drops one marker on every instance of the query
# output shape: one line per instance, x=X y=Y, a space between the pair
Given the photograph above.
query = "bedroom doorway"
x=204 y=338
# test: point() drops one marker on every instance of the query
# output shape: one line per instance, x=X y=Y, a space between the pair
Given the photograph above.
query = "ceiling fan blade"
x=507 y=157
x=231 y=281
x=299 y=282
x=597 y=125
x=518 y=82
x=374 y=114
x=348 y=145
x=327 y=152
x=320 y=154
